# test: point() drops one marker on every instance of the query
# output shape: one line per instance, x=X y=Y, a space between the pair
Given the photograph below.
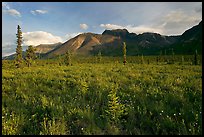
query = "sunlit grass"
x=105 y=98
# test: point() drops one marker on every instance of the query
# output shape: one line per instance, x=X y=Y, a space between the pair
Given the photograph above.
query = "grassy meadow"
x=102 y=98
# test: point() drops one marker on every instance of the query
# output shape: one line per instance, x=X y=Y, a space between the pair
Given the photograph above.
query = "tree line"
x=30 y=54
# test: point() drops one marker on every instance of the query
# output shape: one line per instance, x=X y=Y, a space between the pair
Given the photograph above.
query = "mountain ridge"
x=110 y=43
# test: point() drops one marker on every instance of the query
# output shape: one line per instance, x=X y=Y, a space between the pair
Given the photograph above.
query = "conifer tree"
x=196 y=58
x=172 y=51
x=165 y=57
x=142 y=59
x=115 y=108
x=99 y=57
x=147 y=61
x=19 y=58
x=30 y=55
x=157 y=60
x=68 y=58
x=182 y=60
x=124 y=53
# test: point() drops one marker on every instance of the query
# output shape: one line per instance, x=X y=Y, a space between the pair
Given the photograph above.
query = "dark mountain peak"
x=193 y=33
x=150 y=36
x=116 y=32
x=151 y=33
x=200 y=24
x=123 y=33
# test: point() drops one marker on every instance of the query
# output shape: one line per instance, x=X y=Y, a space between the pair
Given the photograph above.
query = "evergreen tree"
x=115 y=109
x=142 y=59
x=99 y=57
x=165 y=57
x=30 y=55
x=68 y=58
x=19 y=58
x=196 y=58
x=182 y=60
x=157 y=60
x=124 y=53
x=59 y=60
x=173 y=59
x=147 y=61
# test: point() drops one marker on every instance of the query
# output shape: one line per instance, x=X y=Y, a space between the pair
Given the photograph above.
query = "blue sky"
x=52 y=22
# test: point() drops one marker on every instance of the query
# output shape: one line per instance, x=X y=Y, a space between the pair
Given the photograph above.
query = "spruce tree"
x=147 y=61
x=142 y=59
x=182 y=60
x=67 y=58
x=124 y=53
x=99 y=57
x=30 y=55
x=173 y=58
x=19 y=58
x=157 y=60
x=165 y=57
x=196 y=58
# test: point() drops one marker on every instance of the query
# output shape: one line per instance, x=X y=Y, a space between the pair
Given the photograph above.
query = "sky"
x=52 y=22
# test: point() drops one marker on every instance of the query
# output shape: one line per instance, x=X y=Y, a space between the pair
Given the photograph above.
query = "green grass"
x=105 y=98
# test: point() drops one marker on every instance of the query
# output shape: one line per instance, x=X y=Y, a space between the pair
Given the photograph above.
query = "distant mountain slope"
x=44 y=48
x=110 y=43
x=189 y=41
x=11 y=57
x=83 y=44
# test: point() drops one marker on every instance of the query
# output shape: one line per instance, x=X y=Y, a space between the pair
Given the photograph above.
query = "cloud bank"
x=131 y=28
x=40 y=37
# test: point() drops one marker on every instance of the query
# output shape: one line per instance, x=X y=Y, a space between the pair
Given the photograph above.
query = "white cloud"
x=176 y=22
x=40 y=37
x=7 y=44
x=131 y=28
x=83 y=26
x=111 y=26
x=13 y=12
x=8 y=10
x=143 y=28
x=35 y=12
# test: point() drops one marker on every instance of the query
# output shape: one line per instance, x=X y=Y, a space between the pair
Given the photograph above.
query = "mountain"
x=189 y=41
x=11 y=57
x=83 y=44
x=122 y=33
x=44 y=48
x=110 y=43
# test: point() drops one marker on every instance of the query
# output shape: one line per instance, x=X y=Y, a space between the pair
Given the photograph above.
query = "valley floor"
x=102 y=99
